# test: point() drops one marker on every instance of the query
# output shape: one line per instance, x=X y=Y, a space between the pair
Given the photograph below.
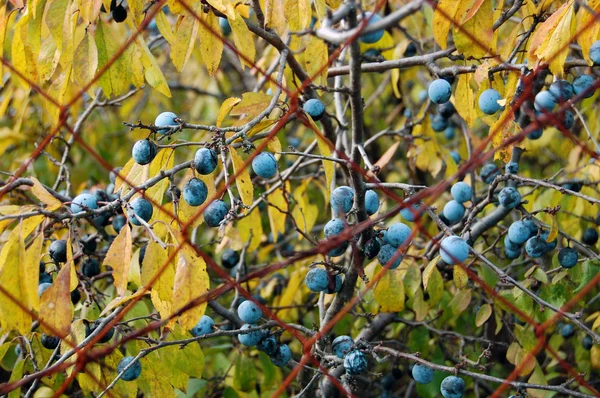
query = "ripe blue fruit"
x=397 y=235
x=567 y=330
x=488 y=101
x=49 y=342
x=455 y=156
x=535 y=134
x=75 y=296
x=106 y=334
x=518 y=232
x=118 y=222
x=450 y=132
x=371 y=202
x=446 y=110
x=42 y=287
x=335 y=284
x=509 y=197
x=204 y=326
x=315 y=108
x=488 y=172
x=355 y=362
x=143 y=151
x=461 y=192
x=386 y=254
x=544 y=102
x=205 y=161
x=195 y=192
x=252 y=338
x=342 y=199
x=535 y=247
x=165 y=119
x=268 y=345
x=512 y=254
x=439 y=91
x=316 y=280
x=567 y=257
x=90 y=267
x=567 y=119
x=510 y=245
x=512 y=167
x=141 y=208
x=422 y=374
x=412 y=212
x=583 y=84
x=454 y=249
x=372 y=37
x=230 y=258
x=439 y=123
x=265 y=165
x=388 y=382
x=454 y=211
x=341 y=345
x=372 y=248
x=339 y=250
x=133 y=372
x=215 y=212
x=58 y=251
x=561 y=91
x=84 y=202
x=225 y=27
x=595 y=52
x=533 y=228
x=587 y=342
x=282 y=356
x=590 y=236
x=249 y=312
x=453 y=387
x=45 y=278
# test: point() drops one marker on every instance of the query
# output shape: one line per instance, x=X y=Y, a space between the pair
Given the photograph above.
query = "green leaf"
x=460 y=302
x=588 y=271
x=483 y=314
x=412 y=280
x=244 y=377
x=16 y=374
x=112 y=80
x=435 y=287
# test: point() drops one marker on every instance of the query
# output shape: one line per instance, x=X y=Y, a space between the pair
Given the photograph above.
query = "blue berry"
x=118 y=222
x=204 y=326
x=58 y=251
x=412 y=212
x=106 y=334
x=143 y=151
x=84 y=202
x=225 y=27
x=454 y=211
x=249 y=312
x=535 y=134
x=205 y=161
x=422 y=374
x=386 y=254
x=355 y=362
x=568 y=257
x=509 y=197
x=133 y=372
x=461 y=192
x=567 y=119
x=335 y=284
x=518 y=232
x=230 y=258
x=583 y=84
x=49 y=342
x=371 y=202
x=372 y=37
x=341 y=345
x=454 y=250
x=165 y=119
x=447 y=110
x=510 y=245
x=90 y=267
x=512 y=254
x=567 y=331
x=544 y=102
x=439 y=123
x=342 y=199
x=453 y=387
x=587 y=342
x=595 y=52
x=450 y=132
x=561 y=91
x=42 y=287
x=195 y=192
x=512 y=167
x=397 y=235
x=533 y=228
x=252 y=338
x=339 y=250
x=314 y=108
x=282 y=356
x=488 y=172
x=439 y=91
x=141 y=208
x=590 y=236
x=268 y=345
x=372 y=248
x=455 y=156
x=535 y=247
x=265 y=165
x=488 y=101
x=215 y=212
x=45 y=278
x=317 y=280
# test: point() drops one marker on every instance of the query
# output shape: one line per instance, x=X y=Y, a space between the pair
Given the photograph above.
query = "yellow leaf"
x=152 y=72
x=442 y=20
x=465 y=99
x=389 y=292
x=243 y=40
x=553 y=230
x=274 y=15
x=595 y=356
x=290 y=291
x=501 y=130
x=243 y=180
x=32 y=268
x=42 y=194
x=476 y=20
x=85 y=61
x=56 y=310
x=325 y=148
x=73 y=282
x=429 y=270
x=315 y=59
x=211 y=45
x=186 y=30
x=226 y=108
x=276 y=217
x=304 y=212
x=274 y=145
x=162 y=23
x=298 y=15
x=484 y=313
x=191 y=282
x=460 y=277
x=596 y=324
x=251 y=104
x=250 y=226
x=13 y=280
x=543 y=31
x=162 y=288
x=119 y=258
x=163 y=161
x=591 y=33
x=118 y=301
x=111 y=81
x=555 y=47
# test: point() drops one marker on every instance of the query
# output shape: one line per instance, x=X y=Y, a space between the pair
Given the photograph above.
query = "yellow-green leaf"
x=243 y=39
x=484 y=313
x=460 y=302
x=325 y=148
x=465 y=99
x=389 y=292
x=56 y=310
x=85 y=61
x=304 y=212
x=474 y=19
x=152 y=72
x=191 y=282
x=276 y=217
x=442 y=20
x=226 y=108
x=243 y=180
x=43 y=195
x=186 y=30
x=111 y=80
x=460 y=277
x=250 y=230
x=164 y=28
x=315 y=59
x=162 y=288
x=211 y=46
x=555 y=48
x=553 y=230
x=119 y=258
